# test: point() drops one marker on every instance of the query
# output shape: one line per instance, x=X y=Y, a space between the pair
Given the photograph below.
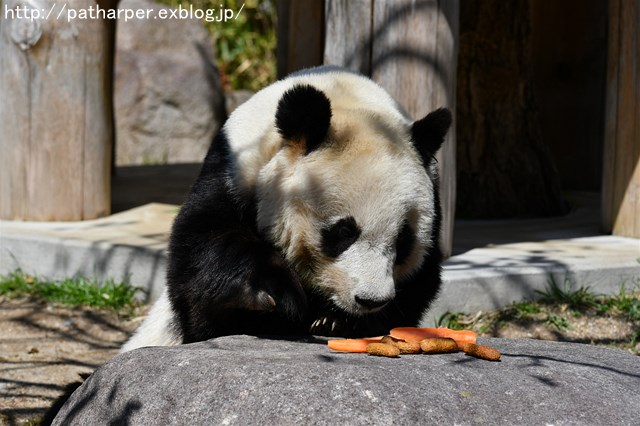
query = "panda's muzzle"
x=366 y=282
x=372 y=304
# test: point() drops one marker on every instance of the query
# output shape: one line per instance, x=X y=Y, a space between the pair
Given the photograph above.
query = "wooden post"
x=414 y=56
x=621 y=169
x=348 y=34
x=55 y=111
x=300 y=35
x=410 y=48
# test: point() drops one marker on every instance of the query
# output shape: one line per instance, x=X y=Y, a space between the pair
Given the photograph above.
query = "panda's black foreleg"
x=223 y=278
x=233 y=284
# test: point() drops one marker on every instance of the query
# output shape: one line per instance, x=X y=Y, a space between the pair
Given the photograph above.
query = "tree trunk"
x=504 y=168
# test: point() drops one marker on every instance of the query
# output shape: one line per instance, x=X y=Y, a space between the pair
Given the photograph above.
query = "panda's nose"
x=371 y=303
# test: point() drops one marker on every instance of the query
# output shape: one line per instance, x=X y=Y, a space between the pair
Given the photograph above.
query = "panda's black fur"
x=215 y=254
x=224 y=277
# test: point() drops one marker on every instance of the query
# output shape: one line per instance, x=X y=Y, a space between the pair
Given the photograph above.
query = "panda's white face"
x=354 y=216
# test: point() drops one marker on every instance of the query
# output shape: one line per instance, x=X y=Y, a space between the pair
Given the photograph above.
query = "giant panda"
x=316 y=212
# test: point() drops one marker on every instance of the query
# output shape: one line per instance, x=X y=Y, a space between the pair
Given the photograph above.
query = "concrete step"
x=482 y=275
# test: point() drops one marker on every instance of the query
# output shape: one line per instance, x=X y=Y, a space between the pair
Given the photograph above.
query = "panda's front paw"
x=324 y=326
x=277 y=288
x=348 y=327
x=332 y=327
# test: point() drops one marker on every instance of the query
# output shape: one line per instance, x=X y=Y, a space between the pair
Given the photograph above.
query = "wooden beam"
x=55 y=114
x=621 y=168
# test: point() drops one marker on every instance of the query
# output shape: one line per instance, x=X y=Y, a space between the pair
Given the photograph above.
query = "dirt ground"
x=43 y=348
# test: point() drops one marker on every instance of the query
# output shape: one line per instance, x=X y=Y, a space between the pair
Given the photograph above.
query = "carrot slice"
x=413 y=334
x=352 y=345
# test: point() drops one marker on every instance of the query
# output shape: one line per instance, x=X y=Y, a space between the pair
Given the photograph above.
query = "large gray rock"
x=246 y=380
x=168 y=98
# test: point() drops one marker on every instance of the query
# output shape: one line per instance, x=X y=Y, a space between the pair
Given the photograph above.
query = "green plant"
x=71 y=291
x=451 y=320
x=558 y=321
x=556 y=294
x=524 y=309
x=625 y=302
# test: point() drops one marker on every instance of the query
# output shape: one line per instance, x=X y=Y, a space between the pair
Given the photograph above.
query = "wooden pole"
x=348 y=34
x=621 y=168
x=300 y=35
x=414 y=56
x=55 y=112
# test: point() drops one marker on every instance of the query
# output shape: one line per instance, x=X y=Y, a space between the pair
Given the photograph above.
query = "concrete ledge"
x=489 y=278
x=133 y=244
x=129 y=245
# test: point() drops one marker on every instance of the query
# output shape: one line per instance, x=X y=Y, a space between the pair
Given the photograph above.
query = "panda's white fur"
x=368 y=168
x=378 y=188
x=254 y=145
x=158 y=329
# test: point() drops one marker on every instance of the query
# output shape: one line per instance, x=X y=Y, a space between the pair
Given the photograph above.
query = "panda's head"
x=350 y=197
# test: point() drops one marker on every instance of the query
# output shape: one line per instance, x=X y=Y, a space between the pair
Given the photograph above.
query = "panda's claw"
x=318 y=326
x=327 y=326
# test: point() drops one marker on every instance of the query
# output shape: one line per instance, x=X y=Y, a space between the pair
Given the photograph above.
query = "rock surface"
x=246 y=380
x=168 y=98
x=236 y=98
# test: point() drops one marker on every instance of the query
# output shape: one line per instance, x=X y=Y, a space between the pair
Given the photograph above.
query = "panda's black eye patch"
x=404 y=244
x=338 y=237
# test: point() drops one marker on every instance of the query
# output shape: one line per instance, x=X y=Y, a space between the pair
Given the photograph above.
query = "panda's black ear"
x=303 y=116
x=428 y=133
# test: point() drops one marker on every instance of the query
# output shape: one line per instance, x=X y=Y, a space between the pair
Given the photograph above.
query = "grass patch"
x=558 y=321
x=560 y=309
x=71 y=291
x=525 y=309
x=564 y=294
x=452 y=320
x=625 y=303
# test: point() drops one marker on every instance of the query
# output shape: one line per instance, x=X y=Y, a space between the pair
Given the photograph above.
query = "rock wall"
x=168 y=98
